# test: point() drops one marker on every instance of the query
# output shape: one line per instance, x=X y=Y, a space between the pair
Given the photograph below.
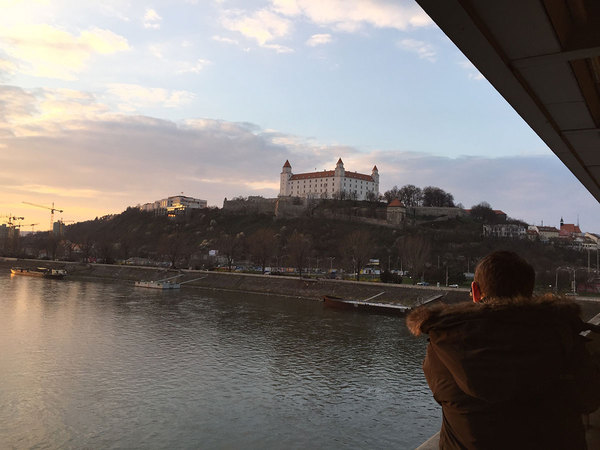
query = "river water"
x=95 y=364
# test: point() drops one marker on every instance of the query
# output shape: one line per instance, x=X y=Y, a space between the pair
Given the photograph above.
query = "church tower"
x=284 y=184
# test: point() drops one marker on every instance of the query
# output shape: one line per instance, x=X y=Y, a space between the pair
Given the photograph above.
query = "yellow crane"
x=52 y=210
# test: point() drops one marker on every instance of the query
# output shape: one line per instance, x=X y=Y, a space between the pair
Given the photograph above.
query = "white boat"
x=165 y=283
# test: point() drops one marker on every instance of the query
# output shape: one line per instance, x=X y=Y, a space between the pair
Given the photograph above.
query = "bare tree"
x=262 y=244
x=415 y=250
x=230 y=247
x=358 y=248
x=298 y=249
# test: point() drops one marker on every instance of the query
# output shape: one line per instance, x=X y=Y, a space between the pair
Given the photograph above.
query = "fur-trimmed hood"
x=424 y=318
x=501 y=348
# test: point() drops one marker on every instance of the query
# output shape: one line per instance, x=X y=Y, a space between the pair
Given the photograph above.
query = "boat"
x=365 y=305
x=370 y=306
x=42 y=272
x=165 y=283
x=158 y=284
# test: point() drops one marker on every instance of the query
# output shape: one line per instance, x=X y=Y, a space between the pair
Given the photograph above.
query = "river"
x=98 y=364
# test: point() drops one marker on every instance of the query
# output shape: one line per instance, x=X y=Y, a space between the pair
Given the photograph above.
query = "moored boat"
x=165 y=283
x=160 y=284
x=42 y=272
x=365 y=305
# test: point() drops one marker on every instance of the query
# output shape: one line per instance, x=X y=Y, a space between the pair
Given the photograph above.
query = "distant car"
x=422 y=283
x=453 y=285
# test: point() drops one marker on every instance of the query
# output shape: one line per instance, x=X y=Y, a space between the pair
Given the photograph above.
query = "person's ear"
x=476 y=290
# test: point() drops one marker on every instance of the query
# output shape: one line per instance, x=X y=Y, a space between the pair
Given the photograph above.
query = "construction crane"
x=32 y=225
x=11 y=219
x=52 y=210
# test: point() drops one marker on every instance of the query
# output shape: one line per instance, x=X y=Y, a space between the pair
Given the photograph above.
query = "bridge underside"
x=543 y=57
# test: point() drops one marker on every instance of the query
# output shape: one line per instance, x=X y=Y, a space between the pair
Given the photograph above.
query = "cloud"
x=152 y=19
x=318 y=39
x=132 y=96
x=81 y=151
x=196 y=67
x=422 y=49
x=262 y=26
x=225 y=40
x=46 y=51
x=532 y=188
x=354 y=15
x=472 y=71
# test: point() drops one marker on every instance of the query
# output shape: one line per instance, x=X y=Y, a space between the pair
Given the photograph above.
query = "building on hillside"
x=500 y=215
x=593 y=237
x=505 y=230
x=396 y=212
x=569 y=229
x=176 y=204
x=338 y=183
x=545 y=233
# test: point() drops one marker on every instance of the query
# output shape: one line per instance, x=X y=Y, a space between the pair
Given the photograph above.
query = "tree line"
x=426 y=252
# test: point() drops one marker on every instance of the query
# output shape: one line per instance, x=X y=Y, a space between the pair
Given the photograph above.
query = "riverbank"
x=313 y=289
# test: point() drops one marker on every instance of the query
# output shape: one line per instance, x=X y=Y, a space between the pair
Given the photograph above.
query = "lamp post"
x=331 y=258
x=569 y=270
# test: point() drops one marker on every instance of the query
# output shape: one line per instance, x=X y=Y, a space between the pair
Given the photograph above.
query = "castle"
x=337 y=183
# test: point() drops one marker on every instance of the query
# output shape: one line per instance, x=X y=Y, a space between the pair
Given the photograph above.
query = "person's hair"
x=505 y=274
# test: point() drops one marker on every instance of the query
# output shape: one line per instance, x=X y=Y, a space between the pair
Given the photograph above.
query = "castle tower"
x=284 y=183
x=375 y=176
x=339 y=168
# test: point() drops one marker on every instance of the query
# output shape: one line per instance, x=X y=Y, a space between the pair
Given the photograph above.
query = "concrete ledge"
x=310 y=288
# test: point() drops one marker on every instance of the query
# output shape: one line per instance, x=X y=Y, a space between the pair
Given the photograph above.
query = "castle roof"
x=287 y=164
x=375 y=169
x=330 y=173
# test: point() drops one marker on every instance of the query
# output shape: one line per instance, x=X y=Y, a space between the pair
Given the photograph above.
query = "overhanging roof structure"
x=543 y=57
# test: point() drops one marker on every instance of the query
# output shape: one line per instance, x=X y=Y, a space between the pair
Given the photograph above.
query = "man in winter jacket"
x=510 y=370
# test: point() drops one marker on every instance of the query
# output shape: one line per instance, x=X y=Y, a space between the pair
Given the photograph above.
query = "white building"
x=505 y=230
x=338 y=183
x=174 y=204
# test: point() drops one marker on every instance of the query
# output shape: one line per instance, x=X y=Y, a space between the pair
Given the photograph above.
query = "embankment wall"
x=267 y=284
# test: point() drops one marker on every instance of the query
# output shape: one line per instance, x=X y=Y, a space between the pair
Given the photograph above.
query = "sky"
x=105 y=105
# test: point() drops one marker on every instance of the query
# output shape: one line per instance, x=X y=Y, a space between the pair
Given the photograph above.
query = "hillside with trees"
x=204 y=239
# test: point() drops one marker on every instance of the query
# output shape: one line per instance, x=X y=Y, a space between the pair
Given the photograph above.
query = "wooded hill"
x=311 y=241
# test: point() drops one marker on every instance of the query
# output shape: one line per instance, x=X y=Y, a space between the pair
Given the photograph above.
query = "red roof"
x=304 y=176
x=395 y=204
x=569 y=228
x=547 y=229
x=375 y=169
x=287 y=164
x=340 y=161
x=330 y=173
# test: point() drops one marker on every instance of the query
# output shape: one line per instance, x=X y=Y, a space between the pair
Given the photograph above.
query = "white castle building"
x=338 y=183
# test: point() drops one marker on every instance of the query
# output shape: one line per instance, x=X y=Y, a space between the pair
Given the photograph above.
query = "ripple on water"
x=103 y=365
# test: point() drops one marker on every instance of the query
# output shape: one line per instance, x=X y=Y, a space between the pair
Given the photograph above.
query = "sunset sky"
x=105 y=105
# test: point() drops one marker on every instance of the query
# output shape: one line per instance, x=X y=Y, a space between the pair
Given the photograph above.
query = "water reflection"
x=98 y=364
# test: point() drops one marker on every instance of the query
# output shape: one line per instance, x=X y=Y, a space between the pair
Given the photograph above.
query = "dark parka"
x=509 y=373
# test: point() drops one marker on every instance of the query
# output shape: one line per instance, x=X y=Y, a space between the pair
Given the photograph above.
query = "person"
x=509 y=369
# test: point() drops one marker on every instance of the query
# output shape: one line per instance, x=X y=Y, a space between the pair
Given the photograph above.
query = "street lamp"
x=331 y=258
